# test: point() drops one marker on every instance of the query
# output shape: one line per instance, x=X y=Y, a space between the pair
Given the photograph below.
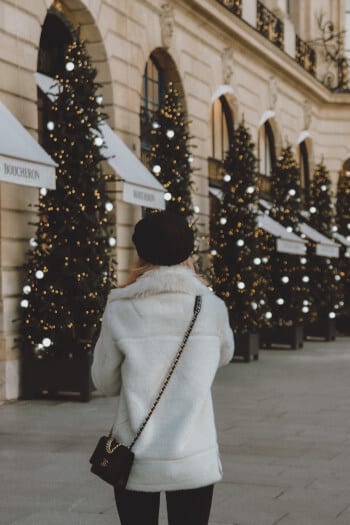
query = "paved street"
x=284 y=430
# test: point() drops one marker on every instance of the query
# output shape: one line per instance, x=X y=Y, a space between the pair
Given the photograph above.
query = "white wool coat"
x=142 y=328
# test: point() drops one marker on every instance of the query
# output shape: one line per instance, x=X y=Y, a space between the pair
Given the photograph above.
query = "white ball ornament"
x=306 y=279
x=99 y=99
x=257 y=260
x=337 y=277
x=167 y=196
x=240 y=242
x=305 y=309
x=109 y=206
x=112 y=241
x=27 y=289
x=268 y=315
x=285 y=279
x=39 y=274
x=334 y=228
x=155 y=125
x=70 y=66
x=43 y=191
x=313 y=209
x=240 y=285
x=170 y=133
x=332 y=315
x=50 y=125
x=223 y=220
x=254 y=306
x=98 y=141
x=190 y=158
x=303 y=260
x=250 y=189
x=156 y=168
x=196 y=209
x=46 y=342
x=280 y=301
x=289 y=229
x=33 y=243
x=227 y=177
x=292 y=192
x=324 y=187
x=24 y=303
x=213 y=252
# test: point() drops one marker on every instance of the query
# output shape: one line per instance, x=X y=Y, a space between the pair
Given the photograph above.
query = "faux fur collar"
x=164 y=279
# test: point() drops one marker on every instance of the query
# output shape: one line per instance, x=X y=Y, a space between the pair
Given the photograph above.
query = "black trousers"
x=185 y=507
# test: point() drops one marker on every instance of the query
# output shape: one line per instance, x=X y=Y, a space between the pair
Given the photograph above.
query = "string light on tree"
x=71 y=249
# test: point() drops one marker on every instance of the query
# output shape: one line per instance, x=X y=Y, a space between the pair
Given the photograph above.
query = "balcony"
x=269 y=25
x=305 y=55
x=234 y=6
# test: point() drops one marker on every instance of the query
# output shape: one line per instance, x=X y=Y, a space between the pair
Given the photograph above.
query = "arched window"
x=221 y=121
x=266 y=158
x=55 y=37
x=153 y=88
x=304 y=172
x=266 y=146
x=346 y=167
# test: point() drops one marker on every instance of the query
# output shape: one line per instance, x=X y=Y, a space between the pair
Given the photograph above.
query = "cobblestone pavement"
x=284 y=431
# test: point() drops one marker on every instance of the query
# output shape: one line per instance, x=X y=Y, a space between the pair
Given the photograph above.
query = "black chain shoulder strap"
x=196 y=310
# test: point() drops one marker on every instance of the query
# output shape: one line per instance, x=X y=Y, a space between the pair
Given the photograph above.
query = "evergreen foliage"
x=325 y=280
x=343 y=264
x=237 y=240
x=291 y=300
x=69 y=275
x=170 y=158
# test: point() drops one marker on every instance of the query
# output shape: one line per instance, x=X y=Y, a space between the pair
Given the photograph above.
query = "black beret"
x=163 y=238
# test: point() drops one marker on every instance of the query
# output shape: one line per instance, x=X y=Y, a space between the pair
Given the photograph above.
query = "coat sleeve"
x=107 y=360
x=227 y=340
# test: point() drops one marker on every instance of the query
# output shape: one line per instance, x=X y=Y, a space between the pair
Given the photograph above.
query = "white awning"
x=219 y=194
x=22 y=160
x=344 y=241
x=286 y=242
x=140 y=186
x=324 y=246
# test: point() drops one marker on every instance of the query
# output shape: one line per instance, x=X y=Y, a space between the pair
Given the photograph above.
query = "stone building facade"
x=230 y=58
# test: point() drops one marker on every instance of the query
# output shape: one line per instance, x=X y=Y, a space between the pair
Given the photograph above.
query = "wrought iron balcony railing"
x=305 y=55
x=235 y=6
x=269 y=25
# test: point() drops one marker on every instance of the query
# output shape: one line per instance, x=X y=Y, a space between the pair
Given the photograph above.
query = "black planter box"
x=323 y=329
x=292 y=336
x=51 y=377
x=247 y=346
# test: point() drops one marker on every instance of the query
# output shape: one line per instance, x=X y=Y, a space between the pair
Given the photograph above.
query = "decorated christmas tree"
x=343 y=264
x=237 y=241
x=291 y=300
x=325 y=280
x=69 y=271
x=170 y=158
